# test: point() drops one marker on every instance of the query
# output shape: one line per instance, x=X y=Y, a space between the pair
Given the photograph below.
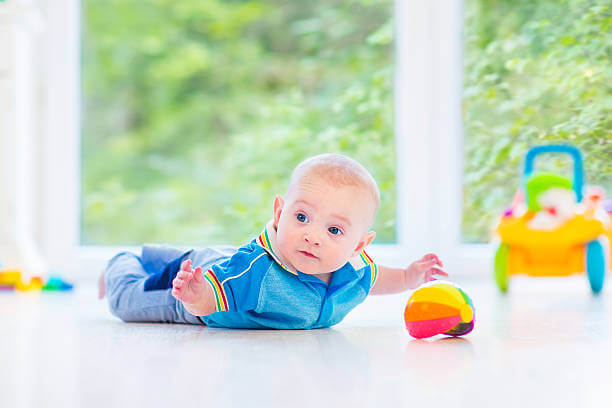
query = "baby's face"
x=319 y=226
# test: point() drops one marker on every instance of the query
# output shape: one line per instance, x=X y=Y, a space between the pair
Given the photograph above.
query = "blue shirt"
x=254 y=289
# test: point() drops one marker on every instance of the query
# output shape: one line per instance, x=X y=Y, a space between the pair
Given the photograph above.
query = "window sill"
x=468 y=260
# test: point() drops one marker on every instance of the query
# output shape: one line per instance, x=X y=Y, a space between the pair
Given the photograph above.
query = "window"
x=194 y=112
x=425 y=134
x=535 y=72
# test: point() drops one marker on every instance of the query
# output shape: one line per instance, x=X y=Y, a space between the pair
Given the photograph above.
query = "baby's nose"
x=312 y=238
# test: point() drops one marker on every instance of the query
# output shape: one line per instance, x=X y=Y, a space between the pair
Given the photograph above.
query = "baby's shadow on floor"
x=311 y=363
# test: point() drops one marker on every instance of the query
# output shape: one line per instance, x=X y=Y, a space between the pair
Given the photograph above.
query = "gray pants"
x=125 y=278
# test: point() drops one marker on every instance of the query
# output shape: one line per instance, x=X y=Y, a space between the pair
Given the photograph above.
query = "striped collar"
x=362 y=260
x=267 y=240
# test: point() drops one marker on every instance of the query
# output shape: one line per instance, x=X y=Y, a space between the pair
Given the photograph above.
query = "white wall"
x=20 y=25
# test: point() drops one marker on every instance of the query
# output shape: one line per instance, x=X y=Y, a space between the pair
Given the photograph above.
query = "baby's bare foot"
x=101 y=286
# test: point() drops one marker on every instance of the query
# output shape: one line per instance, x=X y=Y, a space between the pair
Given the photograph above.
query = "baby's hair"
x=338 y=170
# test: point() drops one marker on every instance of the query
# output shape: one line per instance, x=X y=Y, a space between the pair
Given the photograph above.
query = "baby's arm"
x=190 y=288
x=396 y=280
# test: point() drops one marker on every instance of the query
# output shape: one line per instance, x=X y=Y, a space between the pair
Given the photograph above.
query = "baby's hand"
x=189 y=286
x=423 y=270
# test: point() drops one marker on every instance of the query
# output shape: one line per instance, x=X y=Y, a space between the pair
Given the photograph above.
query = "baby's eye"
x=301 y=217
x=334 y=230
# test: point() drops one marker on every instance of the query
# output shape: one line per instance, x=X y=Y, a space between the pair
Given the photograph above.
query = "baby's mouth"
x=307 y=254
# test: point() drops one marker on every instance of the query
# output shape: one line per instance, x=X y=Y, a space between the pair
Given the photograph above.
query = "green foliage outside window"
x=535 y=72
x=195 y=112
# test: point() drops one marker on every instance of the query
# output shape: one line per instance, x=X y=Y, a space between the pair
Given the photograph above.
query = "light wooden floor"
x=548 y=343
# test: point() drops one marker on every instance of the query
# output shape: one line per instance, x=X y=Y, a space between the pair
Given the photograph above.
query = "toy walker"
x=552 y=229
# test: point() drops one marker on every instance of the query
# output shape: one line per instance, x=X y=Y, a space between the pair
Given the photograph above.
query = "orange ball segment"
x=439 y=307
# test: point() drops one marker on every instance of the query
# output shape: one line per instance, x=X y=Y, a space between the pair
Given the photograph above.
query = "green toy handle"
x=571 y=150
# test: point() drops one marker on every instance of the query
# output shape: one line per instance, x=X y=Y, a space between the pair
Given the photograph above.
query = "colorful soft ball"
x=439 y=307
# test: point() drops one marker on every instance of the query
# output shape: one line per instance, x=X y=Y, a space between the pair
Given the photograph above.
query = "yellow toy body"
x=560 y=252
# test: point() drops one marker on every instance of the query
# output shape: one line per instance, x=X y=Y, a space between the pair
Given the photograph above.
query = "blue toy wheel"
x=596 y=265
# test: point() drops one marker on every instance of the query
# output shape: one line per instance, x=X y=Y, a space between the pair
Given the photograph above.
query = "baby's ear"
x=278 y=209
x=364 y=242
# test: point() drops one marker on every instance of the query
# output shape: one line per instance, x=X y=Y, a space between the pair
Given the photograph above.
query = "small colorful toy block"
x=13 y=280
x=439 y=307
x=57 y=283
x=10 y=277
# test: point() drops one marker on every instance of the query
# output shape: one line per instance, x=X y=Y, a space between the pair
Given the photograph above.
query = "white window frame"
x=428 y=136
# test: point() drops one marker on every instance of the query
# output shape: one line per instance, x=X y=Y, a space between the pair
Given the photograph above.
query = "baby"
x=307 y=269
